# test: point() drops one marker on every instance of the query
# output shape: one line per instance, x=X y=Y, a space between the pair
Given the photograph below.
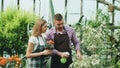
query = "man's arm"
x=75 y=40
x=76 y=43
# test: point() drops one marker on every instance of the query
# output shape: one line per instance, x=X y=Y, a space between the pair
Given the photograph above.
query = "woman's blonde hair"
x=37 y=29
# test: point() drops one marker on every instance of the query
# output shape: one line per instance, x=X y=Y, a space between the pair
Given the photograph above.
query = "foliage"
x=101 y=18
x=97 y=40
x=13 y=30
x=118 y=64
x=92 y=61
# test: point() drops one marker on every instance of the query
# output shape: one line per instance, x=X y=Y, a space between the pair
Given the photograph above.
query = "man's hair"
x=58 y=17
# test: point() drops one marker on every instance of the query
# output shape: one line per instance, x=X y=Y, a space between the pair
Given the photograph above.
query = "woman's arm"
x=29 y=53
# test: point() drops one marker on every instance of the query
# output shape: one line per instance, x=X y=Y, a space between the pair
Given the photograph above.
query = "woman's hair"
x=37 y=29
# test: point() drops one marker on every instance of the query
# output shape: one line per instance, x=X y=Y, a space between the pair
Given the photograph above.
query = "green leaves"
x=96 y=39
x=13 y=29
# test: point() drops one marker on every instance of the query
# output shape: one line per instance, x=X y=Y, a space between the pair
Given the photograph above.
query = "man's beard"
x=60 y=29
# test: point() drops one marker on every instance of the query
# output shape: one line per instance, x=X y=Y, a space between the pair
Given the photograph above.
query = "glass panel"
x=10 y=4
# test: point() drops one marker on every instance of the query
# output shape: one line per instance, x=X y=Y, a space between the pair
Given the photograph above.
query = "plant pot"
x=110 y=8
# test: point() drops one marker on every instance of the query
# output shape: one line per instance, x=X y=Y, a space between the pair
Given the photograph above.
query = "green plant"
x=13 y=30
x=102 y=17
x=92 y=61
x=97 y=40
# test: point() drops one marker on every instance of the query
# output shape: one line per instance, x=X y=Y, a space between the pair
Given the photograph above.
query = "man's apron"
x=61 y=43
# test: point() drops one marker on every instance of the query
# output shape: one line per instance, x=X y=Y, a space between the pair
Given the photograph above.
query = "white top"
x=34 y=40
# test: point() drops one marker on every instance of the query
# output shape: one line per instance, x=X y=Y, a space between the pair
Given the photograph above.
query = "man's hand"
x=63 y=54
x=79 y=56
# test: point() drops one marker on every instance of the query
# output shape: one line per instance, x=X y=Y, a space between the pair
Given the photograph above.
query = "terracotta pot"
x=110 y=8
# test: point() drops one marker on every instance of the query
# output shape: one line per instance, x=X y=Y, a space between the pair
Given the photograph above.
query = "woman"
x=36 y=51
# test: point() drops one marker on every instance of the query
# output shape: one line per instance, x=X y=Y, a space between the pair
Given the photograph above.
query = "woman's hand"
x=47 y=52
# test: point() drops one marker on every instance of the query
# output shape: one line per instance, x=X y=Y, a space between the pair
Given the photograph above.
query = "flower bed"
x=13 y=61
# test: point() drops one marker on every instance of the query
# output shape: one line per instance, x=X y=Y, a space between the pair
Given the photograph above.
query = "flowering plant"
x=50 y=44
x=13 y=60
x=2 y=61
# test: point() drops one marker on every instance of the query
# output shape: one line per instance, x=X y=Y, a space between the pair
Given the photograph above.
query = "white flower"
x=95 y=62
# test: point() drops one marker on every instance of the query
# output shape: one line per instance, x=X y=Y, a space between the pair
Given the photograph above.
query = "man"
x=63 y=37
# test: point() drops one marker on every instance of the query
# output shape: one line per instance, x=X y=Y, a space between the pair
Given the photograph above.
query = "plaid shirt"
x=73 y=40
